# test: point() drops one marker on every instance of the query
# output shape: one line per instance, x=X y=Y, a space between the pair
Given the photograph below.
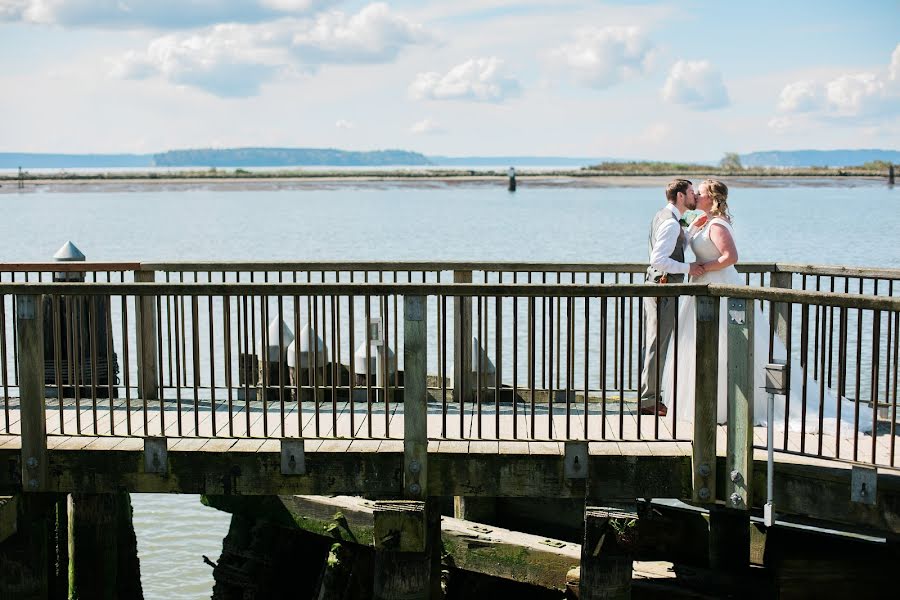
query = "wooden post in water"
x=147 y=358
x=102 y=547
x=706 y=389
x=512 y=179
x=780 y=310
x=729 y=535
x=891 y=174
x=606 y=554
x=29 y=320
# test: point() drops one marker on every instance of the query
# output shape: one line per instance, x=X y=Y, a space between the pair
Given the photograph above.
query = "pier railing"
x=554 y=361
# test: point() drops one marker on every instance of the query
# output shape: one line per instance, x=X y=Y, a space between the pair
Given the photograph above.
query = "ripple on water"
x=173 y=533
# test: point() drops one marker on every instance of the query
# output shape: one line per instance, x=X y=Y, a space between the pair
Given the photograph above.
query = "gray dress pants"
x=656 y=344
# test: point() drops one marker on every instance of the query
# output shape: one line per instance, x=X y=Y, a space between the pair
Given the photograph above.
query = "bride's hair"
x=718 y=193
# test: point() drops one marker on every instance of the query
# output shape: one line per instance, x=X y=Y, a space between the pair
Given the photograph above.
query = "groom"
x=667 y=246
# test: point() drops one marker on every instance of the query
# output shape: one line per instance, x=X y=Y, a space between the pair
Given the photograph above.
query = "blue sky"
x=657 y=80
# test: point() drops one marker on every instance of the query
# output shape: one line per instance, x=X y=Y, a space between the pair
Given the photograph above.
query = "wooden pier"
x=542 y=406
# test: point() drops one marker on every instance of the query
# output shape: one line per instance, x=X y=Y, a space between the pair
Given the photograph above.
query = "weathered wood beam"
x=485 y=472
x=822 y=492
x=471 y=546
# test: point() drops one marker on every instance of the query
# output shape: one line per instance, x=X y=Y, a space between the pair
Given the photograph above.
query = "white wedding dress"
x=705 y=251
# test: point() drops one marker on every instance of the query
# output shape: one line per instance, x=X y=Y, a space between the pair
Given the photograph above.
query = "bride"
x=711 y=238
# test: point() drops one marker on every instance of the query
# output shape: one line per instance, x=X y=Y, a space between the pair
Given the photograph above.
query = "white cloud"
x=800 y=96
x=166 y=14
x=848 y=96
x=856 y=94
x=226 y=60
x=427 y=126
x=478 y=79
x=344 y=124
x=231 y=60
x=695 y=84
x=604 y=57
x=373 y=35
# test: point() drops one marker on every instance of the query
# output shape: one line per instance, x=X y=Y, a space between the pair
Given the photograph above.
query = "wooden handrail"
x=519 y=290
x=418 y=266
x=66 y=266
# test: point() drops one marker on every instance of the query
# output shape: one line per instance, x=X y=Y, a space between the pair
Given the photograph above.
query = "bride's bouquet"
x=688 y=218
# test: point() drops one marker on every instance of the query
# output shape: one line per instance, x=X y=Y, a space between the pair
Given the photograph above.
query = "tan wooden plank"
x=635 y=448
x=364 y=445
x=604 y=448
x=391 y=446
x=130 y=444
x=246 y=445
x=665 y=449
x=271 y=445
x=75 y=443
x=52 y=441
x=484 y=447
x=330 y=445
x=222 y=444
x=104 y=443
x=454 y=446
x=10 y=442
x=186 y=444
x=517 y=447
x=546 y=447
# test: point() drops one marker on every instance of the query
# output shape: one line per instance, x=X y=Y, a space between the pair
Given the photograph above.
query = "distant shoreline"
x=230 y=180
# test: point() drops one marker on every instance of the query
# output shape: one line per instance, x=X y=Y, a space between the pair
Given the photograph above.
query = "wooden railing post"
x=415 y=399
x=739 y=453
x=30 y=329
x=781 y=279
x=706 y=388
x=729 y=526
x=462 y=342
x=145 y=325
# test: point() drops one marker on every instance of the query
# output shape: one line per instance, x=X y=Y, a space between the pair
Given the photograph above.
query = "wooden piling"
x=705 y=401
x=103 y=562
x=147 y=357
x=30 y=331
x=891 y=174
x=606 y=554
x=402 y=558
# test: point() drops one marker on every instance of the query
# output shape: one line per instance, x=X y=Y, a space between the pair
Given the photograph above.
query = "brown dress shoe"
x=660 y=409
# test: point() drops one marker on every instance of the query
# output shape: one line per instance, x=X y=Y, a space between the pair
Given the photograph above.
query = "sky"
x=680 y=80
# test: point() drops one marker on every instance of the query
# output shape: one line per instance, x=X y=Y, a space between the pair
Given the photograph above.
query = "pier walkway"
x=422 y=380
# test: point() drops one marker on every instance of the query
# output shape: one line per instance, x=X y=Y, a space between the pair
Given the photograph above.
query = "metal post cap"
x=69 y=252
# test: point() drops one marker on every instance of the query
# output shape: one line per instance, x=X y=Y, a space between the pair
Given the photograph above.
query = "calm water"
x=823 y=225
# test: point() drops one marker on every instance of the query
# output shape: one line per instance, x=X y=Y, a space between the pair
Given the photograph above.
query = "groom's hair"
x=676 y=186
